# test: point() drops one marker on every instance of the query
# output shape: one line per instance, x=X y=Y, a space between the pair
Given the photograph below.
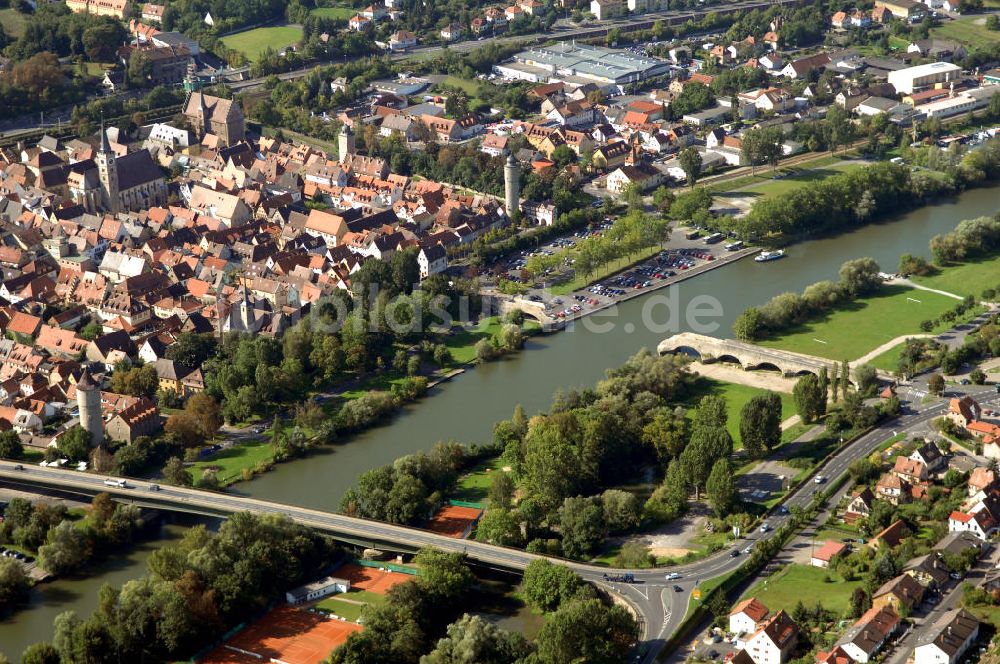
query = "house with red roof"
x=746 y=615
x=822 y=556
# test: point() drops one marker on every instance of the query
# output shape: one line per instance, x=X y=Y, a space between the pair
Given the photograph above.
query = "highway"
x=661 y=609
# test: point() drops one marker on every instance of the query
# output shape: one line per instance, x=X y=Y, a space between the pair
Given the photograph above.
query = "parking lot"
x=685 y=252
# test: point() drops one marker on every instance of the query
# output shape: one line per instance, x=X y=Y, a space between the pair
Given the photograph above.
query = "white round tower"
x=512 y=185
x=88 y=399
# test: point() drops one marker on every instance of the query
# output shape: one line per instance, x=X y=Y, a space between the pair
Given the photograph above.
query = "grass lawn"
x=806 y=583
x=470 y=86
x=462 y=342
x=474 y=486
x=765 y=185
x=232 y=460
x=970 y=278
x=864 y=324
x=736 y=397
x=339 y=607
x=969 y=30
x=889 y=360
x=579 y=281
x=343 y=13
x=898 y=43
x=253 y=42
x=13 y=22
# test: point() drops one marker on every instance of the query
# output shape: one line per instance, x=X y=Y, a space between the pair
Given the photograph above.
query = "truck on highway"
x=116 y=483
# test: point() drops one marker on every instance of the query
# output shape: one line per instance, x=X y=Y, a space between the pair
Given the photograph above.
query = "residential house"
x=452 y=32
x=800 y=68
x=904 y=9
x=964 y=410
x=982 y=524
x=940 y=50
x=910 y=470
x=948 y=639
x=866 y=637
x=402 y=40
x=902 y=593
x=958 y=543
x=643 y=175
x=981 y=479
x=604 y=10
x=432 y=260
x=746 y=615
x=930 y=455
x=836 y=655
x=928 y=570
x=860 y=505
x=890 y=537
x=494 y=145
x=610 y=156
x=774 y=642
x=892 y=489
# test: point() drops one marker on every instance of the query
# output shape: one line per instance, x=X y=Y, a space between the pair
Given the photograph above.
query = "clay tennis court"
x=371 y=579
x=455 y=522
x=286 y=634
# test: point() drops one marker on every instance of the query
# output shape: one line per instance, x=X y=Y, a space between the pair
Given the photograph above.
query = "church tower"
x=345 y=142
x=107 y=172
x=512 y=185
x=204 y=116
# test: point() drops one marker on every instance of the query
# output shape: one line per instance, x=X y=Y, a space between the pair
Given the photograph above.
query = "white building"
x=774 y=642
x=746 y=615
x=317 y=590
x=432 y=260
x=946 y=640
x=911 y=79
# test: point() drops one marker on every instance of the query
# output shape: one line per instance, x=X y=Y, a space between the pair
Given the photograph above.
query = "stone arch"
x=731 y=359
x=689 y=351
x=765 y=366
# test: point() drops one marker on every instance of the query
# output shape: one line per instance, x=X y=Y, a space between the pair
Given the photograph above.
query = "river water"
x=466 y=408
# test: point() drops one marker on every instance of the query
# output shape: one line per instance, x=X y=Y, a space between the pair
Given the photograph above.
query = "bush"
x=365 y=410
x=485 y=352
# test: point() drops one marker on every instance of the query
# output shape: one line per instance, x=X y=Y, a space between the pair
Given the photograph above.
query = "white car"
x=672 y=576
x=764 y=527
x=819 y=479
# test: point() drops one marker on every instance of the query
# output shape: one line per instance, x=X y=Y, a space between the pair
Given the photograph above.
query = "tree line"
x=858 y=278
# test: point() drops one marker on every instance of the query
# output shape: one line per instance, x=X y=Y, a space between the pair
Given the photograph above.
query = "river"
x=466 y=408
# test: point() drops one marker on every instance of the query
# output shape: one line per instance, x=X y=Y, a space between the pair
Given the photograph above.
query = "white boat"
x=766 y=256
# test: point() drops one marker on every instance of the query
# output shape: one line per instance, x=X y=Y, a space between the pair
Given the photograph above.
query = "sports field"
x=371 y=579
x=452 y=521
x=286 y=634
x=253 y=42
x=862 y=325
x=969 y=278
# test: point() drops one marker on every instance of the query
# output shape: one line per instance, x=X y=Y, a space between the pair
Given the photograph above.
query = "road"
x=661 y=609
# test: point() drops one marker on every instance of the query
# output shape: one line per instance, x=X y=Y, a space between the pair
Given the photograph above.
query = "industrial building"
x=580 y=64
x=909 y=80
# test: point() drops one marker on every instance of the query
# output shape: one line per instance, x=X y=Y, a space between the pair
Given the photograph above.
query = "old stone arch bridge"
x=749 y=356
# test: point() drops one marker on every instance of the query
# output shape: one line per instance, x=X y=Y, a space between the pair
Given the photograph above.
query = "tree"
x=760 y=424
x=810 y=398
x=135 y=381
x=485 y=352
x=581 y=521
x=205 y=411
x=711 y=412
x=860 y=276
x=690 y=161
x=499 y=526
x=866 y=378
x=473 y=640
x=707 y=445
x=66 y=551
x=40 y=653
x=10 y=445
x=622 y=510
x=977 y=376
x=185 y=429
x=667 y=433
x=176 y=473
x=834 y=382
x=502 y=489
x=587 y=631
x=936 y=384
x=74 y=443
x=749 y=325
x=14 y=583
x=721 y=488
x=192 y=350
x=546 y=586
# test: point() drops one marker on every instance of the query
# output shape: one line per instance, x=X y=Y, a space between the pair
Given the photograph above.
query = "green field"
x=864 y=324
x=889 y=360
x=470 y=86
x=968 y=30
x=253 y=42
x=462 y=343
x=340 y=13
x=231 y=461
x=474 y=486
x=786 y=588
x=736 y=397
x=970 y=278
x=767 y=186
x=13 y=22
x=338 y=607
